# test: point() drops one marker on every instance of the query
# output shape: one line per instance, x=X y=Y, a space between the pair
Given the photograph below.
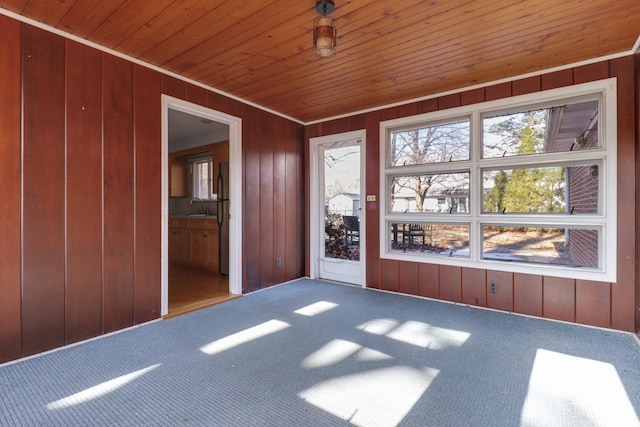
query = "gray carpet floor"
x=313 y=353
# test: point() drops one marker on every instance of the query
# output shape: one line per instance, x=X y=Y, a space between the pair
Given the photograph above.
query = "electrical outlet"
x=278 y=263
x=493 y=287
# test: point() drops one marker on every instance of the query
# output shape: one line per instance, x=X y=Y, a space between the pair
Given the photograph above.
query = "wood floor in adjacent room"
x=192 y=289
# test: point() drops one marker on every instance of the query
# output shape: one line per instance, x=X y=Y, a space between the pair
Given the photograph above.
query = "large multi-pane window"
x=522 y=184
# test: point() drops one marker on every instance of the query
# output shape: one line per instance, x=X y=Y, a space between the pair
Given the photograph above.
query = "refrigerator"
x=222 y=215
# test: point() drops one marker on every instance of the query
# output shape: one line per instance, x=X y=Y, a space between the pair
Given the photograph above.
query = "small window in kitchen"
x=201 y=169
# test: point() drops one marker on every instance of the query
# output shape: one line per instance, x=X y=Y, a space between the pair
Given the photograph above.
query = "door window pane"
x=342 y=203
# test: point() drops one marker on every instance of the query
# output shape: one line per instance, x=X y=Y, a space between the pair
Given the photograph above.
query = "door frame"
x=235 y=188
x=316 y=234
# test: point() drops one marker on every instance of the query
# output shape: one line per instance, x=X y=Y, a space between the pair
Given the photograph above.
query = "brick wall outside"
x=582 y=197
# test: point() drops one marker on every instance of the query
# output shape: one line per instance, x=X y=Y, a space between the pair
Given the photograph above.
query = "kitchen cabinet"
x=194 y=242
x=203 y=243
x=178 y=176
x=178 y=241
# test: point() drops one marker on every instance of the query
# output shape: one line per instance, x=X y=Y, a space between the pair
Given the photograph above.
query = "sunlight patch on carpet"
x=564 y=387
x=316 y=308
x=98 y=390
x=243 y=337
x=416 y=333
x=337 y=350
x=381 y=397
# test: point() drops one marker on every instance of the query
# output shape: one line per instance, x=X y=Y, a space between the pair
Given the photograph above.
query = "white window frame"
x=605 y=219
x=194 y=161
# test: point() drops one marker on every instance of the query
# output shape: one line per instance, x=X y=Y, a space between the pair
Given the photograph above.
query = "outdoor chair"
x=352 y=229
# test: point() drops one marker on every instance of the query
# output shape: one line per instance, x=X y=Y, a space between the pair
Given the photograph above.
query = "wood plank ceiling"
x=388 y=51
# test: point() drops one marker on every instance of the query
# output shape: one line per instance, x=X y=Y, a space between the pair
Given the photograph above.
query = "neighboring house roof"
x=353 y=196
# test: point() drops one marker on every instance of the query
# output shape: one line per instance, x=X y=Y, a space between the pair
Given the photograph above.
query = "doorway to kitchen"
x=201 y=232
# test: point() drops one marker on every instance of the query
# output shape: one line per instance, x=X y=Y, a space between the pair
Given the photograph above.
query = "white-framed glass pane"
x=341 y=178
x=202 y=173
x=562 y=189
x=570 y=126
x=429 y=238
x=562 y=246
x=430 y=143
x=430 y=193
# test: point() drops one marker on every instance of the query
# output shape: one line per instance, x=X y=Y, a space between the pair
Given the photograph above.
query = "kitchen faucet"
x=197 y=199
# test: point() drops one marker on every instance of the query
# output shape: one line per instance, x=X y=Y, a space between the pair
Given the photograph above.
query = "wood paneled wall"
x=80 y=232
x=610 y=305
x=10 y=191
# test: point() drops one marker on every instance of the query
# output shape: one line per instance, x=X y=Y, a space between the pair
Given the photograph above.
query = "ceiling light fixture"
x=324 y=30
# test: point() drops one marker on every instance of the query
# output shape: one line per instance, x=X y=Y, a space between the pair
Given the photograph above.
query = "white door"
x=339 y=237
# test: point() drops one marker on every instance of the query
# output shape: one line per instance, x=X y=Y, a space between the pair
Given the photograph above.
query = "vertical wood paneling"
x=527 y=85
x=10 y=322
x=474 y=286
x=372 y=182
x=389 y=275
x=408 y=281
x=266 y=216
x=306 y=178
x=341 y=125
x=43 y=191
x=408 y=109
x=451 y=283
x=527 y=294
x=503 y=298
x=428 y=105
x=449 y=101
x=118 y=193
x=293 y=228
x=473 y=96
x=196 y=94
x=591 y=72
x=147 y=110
x=559 y=297
x=501 y=90
x=389 y=113
x=429 y=280
x=216 y=101
x=84 y=192
x=301 y=255
x=174 y=87
x=357 y=122
x=279 y=201
x=593 y=303
x=636 y=60
x=557 y=79
x=623 y=291
x=252 y=221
